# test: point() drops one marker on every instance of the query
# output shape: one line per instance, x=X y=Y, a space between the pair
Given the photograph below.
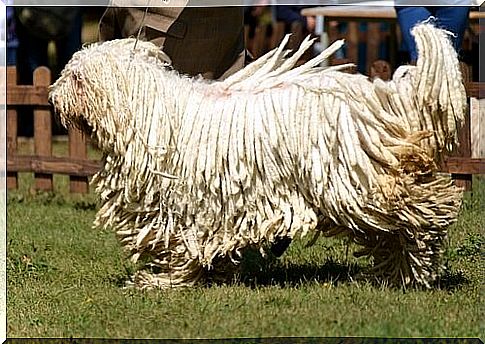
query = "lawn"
x=66 y=279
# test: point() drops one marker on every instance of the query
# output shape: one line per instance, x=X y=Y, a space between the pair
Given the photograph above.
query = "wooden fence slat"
x=259 y=40
x=43 y=130
x=77 y=150
x=52 y=164
x=12 y=177
x=353 y=42
x=464 y=151
x=464 y=138
x=296 y=36
x=11 y=76
x=393 y=44
x=373 y=42
x=332 y=35
x=277 y=34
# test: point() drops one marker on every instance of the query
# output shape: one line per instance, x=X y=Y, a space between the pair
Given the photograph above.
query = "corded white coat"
x=195 y=170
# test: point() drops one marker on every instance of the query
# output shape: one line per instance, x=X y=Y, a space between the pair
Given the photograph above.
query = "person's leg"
x=31 y=53
x=68 y=45
x=65 y=48
x=454 y=19
x=407 y=18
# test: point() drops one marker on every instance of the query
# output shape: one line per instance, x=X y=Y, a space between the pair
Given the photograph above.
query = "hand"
x=311 y=23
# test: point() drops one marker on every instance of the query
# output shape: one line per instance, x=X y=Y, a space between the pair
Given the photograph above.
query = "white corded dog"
x=196 y=170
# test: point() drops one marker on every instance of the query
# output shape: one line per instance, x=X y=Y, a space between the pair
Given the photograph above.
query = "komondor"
x=195 y=170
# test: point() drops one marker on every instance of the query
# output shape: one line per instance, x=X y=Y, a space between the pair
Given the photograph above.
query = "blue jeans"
x=451 y=18
x=11 y=56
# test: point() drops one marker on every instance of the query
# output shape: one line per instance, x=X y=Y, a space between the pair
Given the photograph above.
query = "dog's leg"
x=169 y=268
x=280 y=245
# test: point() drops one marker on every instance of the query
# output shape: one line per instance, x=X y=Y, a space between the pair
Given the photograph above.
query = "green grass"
x=66 y=279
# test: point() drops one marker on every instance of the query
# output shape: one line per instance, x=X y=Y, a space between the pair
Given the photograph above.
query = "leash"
x=141 y=24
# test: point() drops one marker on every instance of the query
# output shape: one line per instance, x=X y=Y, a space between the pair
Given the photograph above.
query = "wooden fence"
x=263 y=42
x=43 y=164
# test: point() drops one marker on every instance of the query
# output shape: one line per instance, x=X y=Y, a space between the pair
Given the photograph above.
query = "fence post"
x=42 y=130
x=464 y=151
x=296 y=35
x=277 y=34
x=464 y=137
x=353 y=42
x=78 y=150
x=12 y=177
x=373 y=43
x=259 y=41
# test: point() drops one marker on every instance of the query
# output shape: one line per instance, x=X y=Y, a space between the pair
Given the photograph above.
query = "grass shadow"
x=288 y=275
x=256 y=271
x=295 y=275
x=452 y=281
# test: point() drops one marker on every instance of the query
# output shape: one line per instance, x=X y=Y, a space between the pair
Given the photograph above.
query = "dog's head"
x=95 y=88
